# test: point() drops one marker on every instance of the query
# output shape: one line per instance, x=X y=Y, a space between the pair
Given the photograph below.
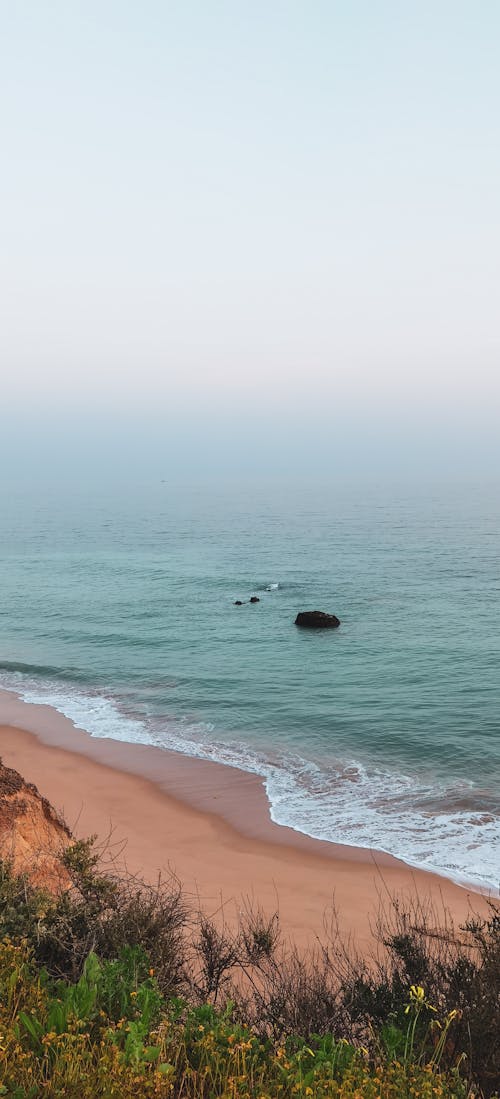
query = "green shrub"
x=113 y=989
x=100 y=913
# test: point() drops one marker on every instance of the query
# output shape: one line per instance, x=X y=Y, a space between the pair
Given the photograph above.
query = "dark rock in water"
x=254 y=599
x=317 y=620
x=238 y=603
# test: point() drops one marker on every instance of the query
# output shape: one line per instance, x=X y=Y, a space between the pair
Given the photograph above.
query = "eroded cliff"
x=32 y=835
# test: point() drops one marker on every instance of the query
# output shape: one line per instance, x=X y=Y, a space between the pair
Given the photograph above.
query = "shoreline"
x=209 y=824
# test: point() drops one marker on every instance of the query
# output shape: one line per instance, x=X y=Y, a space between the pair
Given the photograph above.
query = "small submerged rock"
x=238 y=603
x=317 y=620
x=254 y=599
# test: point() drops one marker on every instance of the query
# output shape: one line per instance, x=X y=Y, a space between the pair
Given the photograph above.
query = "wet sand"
x=209 y=825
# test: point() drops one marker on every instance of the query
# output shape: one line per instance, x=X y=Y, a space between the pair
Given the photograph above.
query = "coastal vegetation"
x=116 y=987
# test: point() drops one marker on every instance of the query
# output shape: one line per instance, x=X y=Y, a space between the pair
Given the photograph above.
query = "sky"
x=249 y=238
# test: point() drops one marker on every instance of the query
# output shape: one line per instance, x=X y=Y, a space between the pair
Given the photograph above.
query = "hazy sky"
x=250 y=236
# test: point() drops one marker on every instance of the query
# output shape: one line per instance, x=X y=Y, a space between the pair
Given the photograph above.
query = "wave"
x=40 y=671
x=451 y=829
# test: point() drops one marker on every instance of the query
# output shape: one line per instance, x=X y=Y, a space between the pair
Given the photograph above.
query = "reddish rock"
x=32 y=835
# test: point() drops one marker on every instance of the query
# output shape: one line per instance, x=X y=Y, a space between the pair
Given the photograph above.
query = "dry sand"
x=210 y=825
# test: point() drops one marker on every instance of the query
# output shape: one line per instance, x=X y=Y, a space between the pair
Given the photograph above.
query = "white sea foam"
x=346 y=804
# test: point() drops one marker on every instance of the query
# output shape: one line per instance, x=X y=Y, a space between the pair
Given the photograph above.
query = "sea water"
x=117 y=608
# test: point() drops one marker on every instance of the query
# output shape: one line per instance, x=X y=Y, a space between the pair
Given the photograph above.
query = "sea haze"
x=117 y=608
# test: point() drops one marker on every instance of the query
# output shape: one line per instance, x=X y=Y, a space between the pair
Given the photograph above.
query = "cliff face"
x=32 y=835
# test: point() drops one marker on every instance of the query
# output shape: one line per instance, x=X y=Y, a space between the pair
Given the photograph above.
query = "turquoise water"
x=117 y=608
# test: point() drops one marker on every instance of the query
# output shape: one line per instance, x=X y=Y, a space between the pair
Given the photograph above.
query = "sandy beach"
x=209 y=825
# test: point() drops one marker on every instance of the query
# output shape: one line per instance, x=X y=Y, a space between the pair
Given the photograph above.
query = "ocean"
x=117 y=608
